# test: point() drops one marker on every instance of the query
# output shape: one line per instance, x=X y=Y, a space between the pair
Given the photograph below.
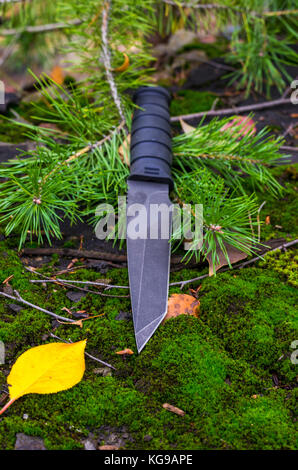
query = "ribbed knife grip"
x=151 y=142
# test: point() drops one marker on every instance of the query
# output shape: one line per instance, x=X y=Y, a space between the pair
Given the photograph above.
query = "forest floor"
x=229 y=369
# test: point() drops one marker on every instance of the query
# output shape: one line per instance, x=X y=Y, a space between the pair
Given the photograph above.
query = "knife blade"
x=149 y=211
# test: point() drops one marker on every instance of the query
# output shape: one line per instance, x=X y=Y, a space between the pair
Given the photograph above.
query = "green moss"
x=189 y=101
x=282 y=213
x=218 y=368
x=212 y=50
x=284 y=263
x=254 y=315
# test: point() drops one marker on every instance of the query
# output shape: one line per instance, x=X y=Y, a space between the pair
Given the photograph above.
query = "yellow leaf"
x=49 y=368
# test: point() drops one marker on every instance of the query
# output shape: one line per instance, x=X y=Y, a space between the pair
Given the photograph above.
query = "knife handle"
x=151 y=142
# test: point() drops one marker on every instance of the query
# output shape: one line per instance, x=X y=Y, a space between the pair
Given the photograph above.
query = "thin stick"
x=240 y=109
x=289 y=89
x=85 y=150
x=206 y=6
x=288 y=148
x=90 y=283
x=44 y=28
x=66 y=283
x=18 y=298
x=107 y=57
x=216 y=6
x=87 y=354
x=240 y=266
x=258 y=220
x=7 y=405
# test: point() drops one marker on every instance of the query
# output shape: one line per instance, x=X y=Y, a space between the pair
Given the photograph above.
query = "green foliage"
x=77 y=166
x=225 y=216
x=262 y=54
x=262 y=39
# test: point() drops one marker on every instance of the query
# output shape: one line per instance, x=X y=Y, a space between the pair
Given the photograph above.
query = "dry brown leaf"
x=57 y=75
x=234 y=254
x=125 y=351
x=173 y=409
x=186 y=127
x=240 y=125
x=124 y=151
x=182 y=304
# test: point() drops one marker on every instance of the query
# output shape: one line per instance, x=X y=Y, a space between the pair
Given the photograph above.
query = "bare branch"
x=86 y=354
x=44 y=28
x=18 y=298
x=284 y=246
x=107 y=58
x=240 y=109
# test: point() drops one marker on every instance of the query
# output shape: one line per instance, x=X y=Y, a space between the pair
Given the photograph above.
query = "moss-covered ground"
x=229 y=369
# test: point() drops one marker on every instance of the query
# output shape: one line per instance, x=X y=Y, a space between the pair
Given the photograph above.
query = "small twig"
x=107 y=57
x=288 y=148
x=206 y=6
x=85 y=150
x=289 y=89
x=90 y=283
x=240 y=266
x=251 y=225
x=258 y=220
x=214 y=104
x=66 y=283
x=288 y=129
x=240 y=109
x=2 y=2
x=87 y=354
x=216 y=6
x=18 y=298
x=44 y=28
x=218 y=65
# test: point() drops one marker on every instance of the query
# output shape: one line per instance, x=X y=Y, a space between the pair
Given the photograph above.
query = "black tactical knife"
x=149 y=217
